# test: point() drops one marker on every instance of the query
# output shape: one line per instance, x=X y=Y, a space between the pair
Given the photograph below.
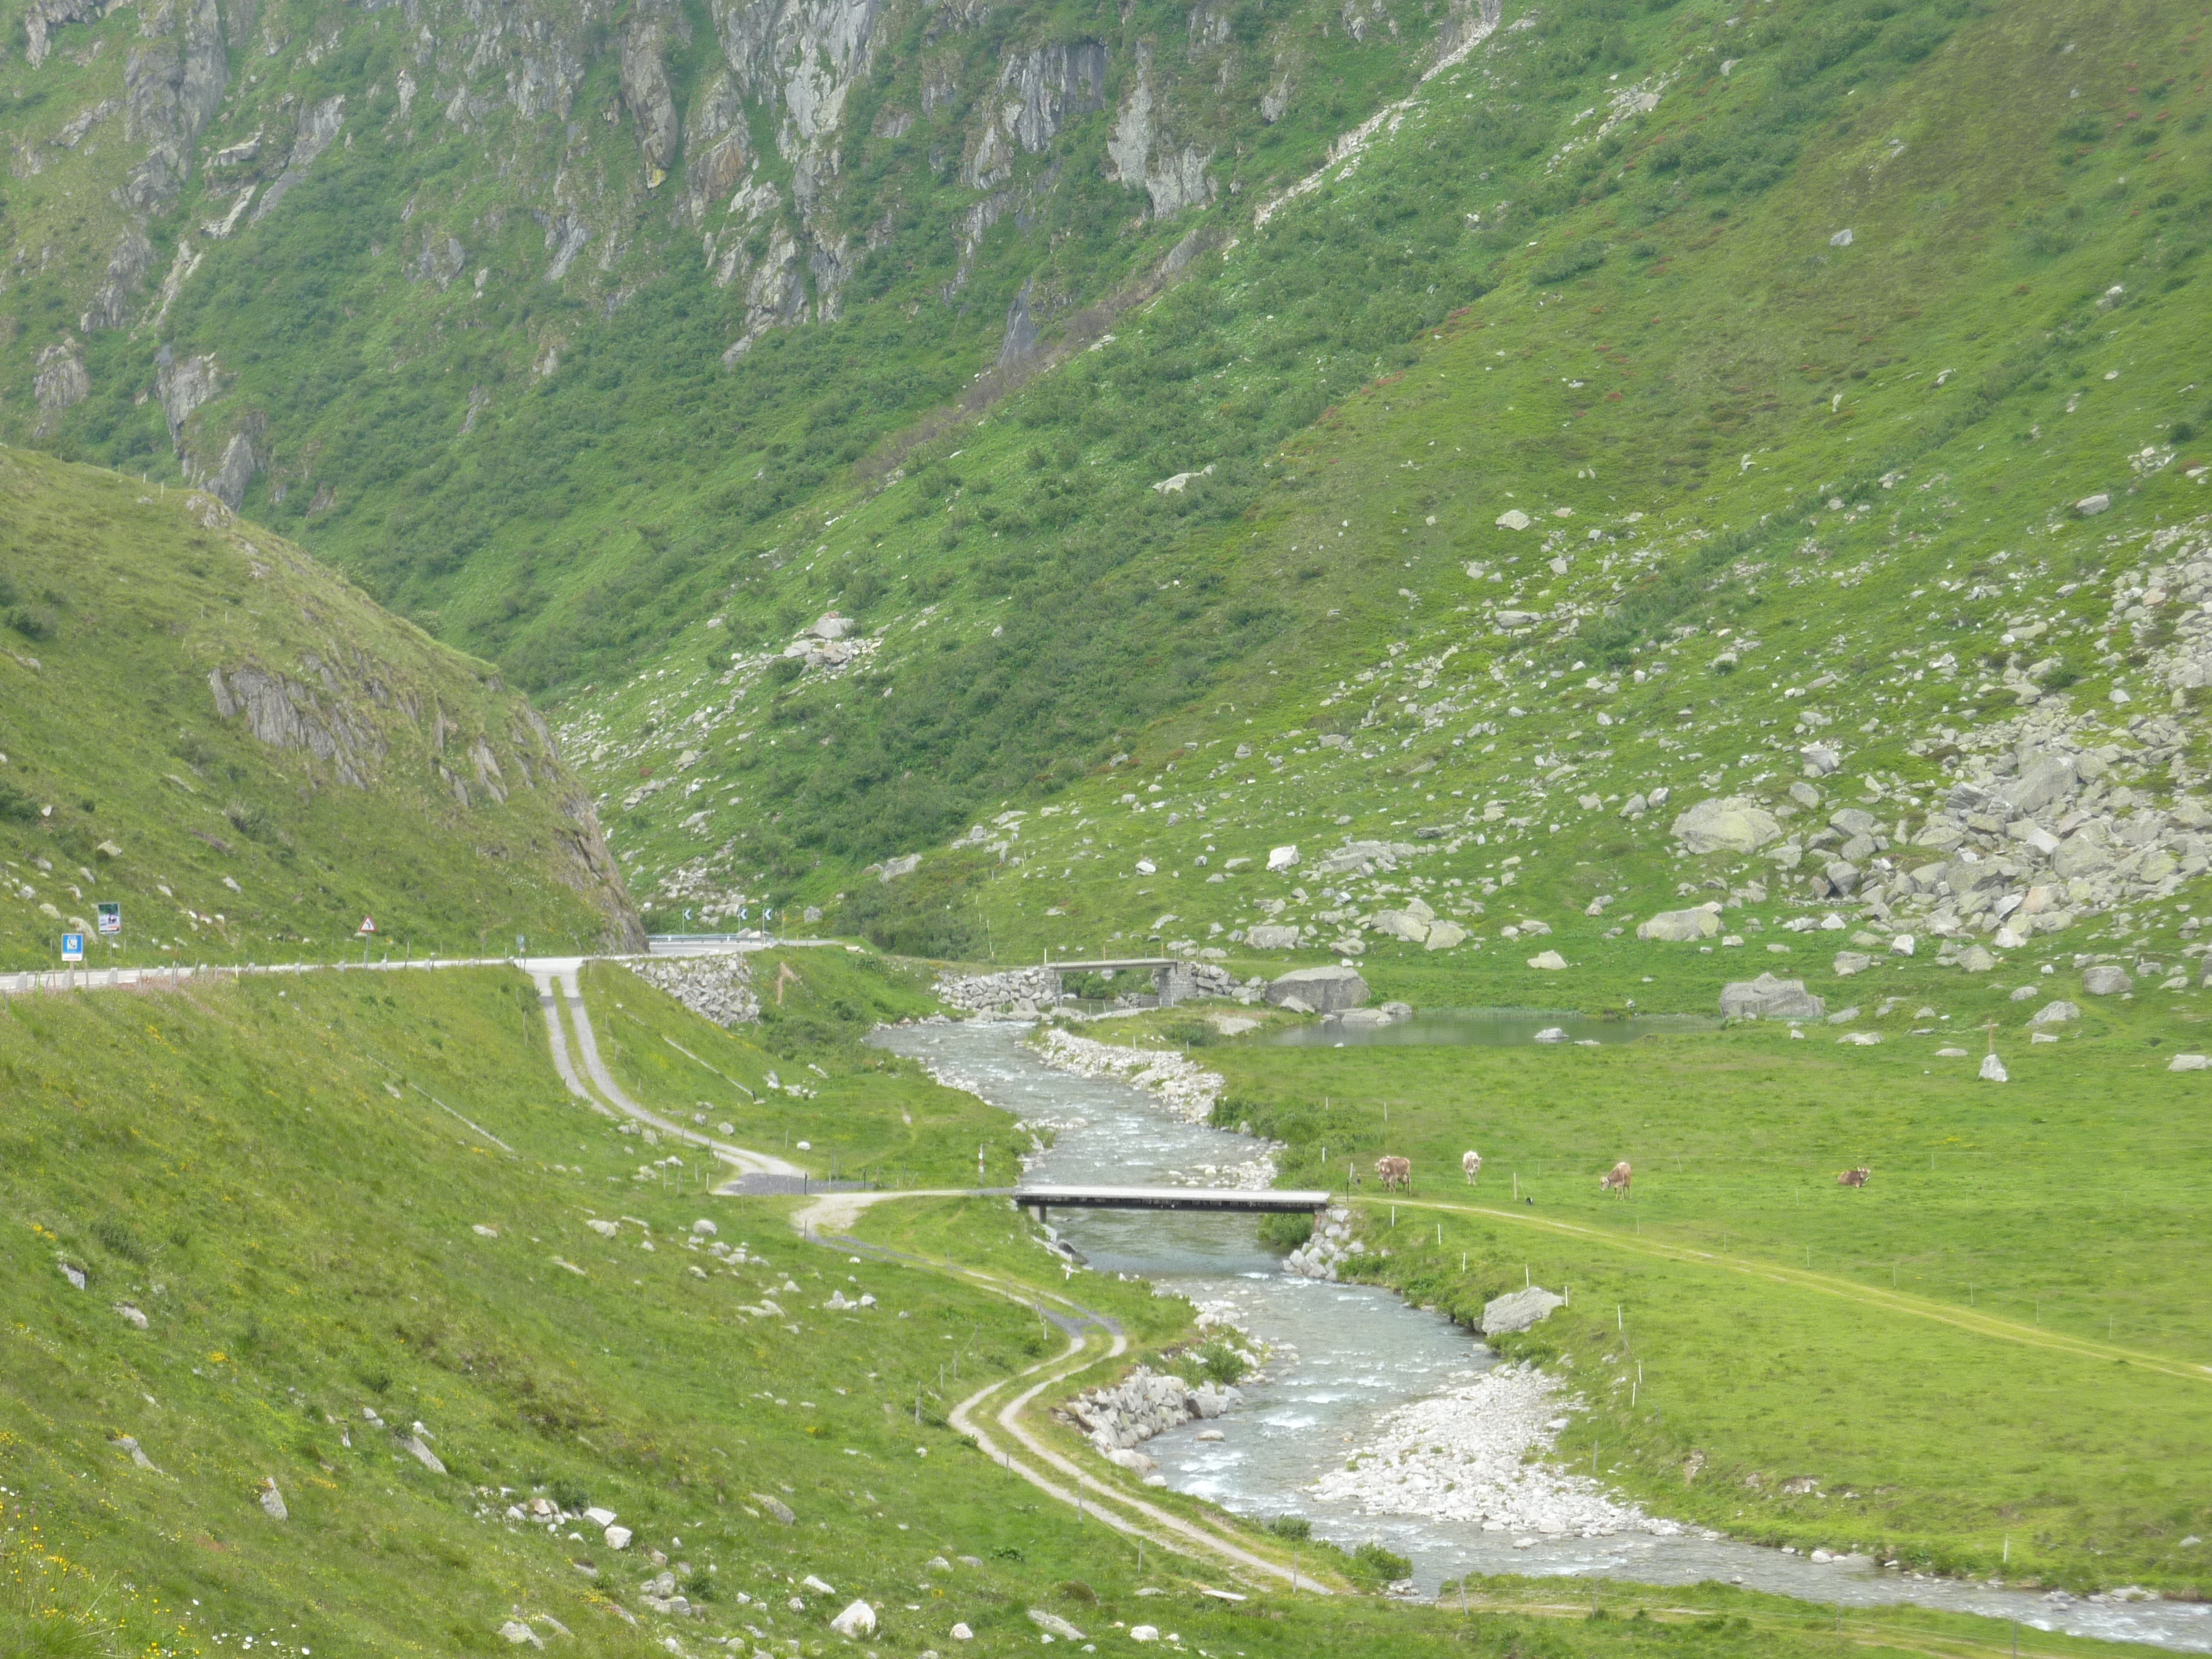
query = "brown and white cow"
x=1470 y=1165
x=1616 y=1179
x=1394 y=1172
x=1853 y=1177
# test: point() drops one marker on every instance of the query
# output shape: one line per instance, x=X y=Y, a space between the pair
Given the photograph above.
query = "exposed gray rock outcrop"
x=171 y=84
x=1040 y=92
x=185 y=387
x=285 y=713
x=644 y=89
x=61 y=383
x=42 y=17
x=319 y=127
x=126 y=274
x=1140 y=152
x=243 y=456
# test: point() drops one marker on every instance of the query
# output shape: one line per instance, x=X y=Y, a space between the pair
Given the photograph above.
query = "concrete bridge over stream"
x=1172 y=977
x=1220 y=1200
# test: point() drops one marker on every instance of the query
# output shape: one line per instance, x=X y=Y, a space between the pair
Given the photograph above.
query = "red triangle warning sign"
x=367 y=924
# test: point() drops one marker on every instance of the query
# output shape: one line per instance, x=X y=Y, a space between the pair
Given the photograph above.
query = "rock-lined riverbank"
x=1332 y=1241
x=1175 y=1082
x=1143 y=1404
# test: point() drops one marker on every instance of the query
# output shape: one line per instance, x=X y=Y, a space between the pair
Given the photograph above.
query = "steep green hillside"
x=1784 y=487
x=239 y=1470
x=535 y=324
x=1710 y=268
x=203 y=725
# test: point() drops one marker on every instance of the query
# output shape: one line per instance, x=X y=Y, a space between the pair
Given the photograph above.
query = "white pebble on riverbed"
x=1460 y=1457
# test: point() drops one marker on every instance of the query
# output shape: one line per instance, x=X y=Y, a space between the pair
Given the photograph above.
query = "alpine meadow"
x=825 y=825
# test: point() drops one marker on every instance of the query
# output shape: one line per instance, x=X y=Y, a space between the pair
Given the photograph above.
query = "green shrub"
x=115 y=1233
x=1569 y=263
x=1372 y=1560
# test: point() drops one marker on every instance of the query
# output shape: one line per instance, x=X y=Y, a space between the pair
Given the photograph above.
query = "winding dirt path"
x=821 y=1221
x=557 y=981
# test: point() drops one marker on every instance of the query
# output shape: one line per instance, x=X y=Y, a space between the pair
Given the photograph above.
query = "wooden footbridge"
x=1223 y=1201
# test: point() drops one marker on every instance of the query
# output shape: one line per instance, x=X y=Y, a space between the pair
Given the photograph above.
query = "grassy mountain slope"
x=531 y=323
x=203 y=725
x=450 y=1288
x=1716 y=422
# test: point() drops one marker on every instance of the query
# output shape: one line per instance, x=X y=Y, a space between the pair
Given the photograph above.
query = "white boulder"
x=1732 y=823
x=1519 y=1311
x=1681 y=926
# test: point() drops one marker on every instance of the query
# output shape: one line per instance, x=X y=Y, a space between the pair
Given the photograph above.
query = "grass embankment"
x=394 y=778
x=1992 y=1359
x=268 y=1173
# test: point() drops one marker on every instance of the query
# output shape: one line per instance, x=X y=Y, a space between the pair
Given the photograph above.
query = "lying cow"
x=1470 y=1164
x=1853 y=1177
x=1616 y=1179
x=1393 y=1172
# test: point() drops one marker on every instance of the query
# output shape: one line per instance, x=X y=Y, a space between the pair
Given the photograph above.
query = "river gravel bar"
x=1466 y=1456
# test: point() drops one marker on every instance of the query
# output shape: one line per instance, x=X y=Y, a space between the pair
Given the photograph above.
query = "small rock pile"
x=659 y=1594
x=1185 y=1089
x=1145 y=1404
x=1332 y=1243
x=716 y=987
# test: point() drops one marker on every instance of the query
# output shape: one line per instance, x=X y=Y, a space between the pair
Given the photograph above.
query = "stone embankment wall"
x=718 y=987
x=1143 y=1404
x=1317 y=1258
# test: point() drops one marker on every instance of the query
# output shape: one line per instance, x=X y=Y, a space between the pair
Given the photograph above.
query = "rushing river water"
x=1343 y=1355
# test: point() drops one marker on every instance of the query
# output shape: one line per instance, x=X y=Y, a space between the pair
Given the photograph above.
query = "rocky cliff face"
x=767 y=156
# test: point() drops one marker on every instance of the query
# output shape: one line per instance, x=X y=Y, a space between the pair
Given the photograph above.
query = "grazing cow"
x=1394 y=1172
x=1470 y=1164
x=1853 y=1177
x=1616 y=1179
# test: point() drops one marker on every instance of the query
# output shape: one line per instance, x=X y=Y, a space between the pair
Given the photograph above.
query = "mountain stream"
x=1342 y=1358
